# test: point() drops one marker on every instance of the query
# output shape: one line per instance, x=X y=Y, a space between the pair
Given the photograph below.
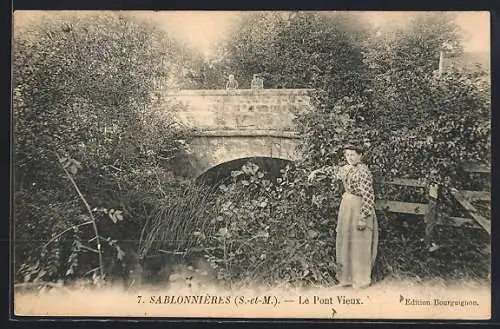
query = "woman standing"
x=357 y=227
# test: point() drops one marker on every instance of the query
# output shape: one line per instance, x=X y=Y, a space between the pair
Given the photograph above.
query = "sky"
x=201 y=29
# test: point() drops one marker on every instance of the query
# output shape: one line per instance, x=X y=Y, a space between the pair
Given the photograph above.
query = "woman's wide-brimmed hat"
x=357 y=146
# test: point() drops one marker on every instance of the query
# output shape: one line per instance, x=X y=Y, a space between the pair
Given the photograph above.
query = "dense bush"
x=83 y=91
x=266 y=230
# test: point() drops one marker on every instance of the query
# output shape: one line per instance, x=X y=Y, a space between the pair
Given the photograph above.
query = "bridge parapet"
x=239 y=110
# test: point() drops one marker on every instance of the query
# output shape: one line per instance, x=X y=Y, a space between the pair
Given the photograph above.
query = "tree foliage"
x=293 y=50
x=83 y=89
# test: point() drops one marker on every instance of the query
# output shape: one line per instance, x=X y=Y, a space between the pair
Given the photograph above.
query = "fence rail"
x=402 y=207
x=476 y=168
x=485 y=223
x=429 y=210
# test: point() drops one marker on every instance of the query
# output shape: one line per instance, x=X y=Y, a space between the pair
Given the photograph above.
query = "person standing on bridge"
x=231 y=84
x=357 y=227
x=257 y=82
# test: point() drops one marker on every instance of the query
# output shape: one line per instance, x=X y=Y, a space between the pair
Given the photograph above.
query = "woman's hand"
x=326 y=170
x=361 y=225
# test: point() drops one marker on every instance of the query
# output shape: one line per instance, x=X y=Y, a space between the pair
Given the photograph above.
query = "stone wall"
x=264 y=109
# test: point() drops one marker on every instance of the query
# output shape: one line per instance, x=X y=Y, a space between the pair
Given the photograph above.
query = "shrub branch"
x=89 y=210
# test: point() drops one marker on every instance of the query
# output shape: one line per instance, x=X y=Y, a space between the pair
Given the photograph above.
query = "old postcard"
x=274 y=164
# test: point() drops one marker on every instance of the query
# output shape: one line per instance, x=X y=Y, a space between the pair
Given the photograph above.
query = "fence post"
x=431 y=216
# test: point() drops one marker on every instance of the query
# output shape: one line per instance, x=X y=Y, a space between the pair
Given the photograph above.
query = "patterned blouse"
x=358 y=180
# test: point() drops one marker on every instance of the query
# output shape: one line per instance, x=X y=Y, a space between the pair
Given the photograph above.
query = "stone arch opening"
x=221 y=173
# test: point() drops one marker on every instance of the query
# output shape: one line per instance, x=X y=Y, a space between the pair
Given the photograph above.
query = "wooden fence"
x=429 y=210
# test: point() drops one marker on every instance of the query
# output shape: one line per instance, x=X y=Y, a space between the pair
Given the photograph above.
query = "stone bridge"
x=240 y=124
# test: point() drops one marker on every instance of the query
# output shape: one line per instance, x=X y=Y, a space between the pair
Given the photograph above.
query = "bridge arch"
x=239 y=124
x=212 y=151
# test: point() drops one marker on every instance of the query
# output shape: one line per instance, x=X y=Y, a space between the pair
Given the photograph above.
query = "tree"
x=83 y=87
x=403 y=61
x=298 y=50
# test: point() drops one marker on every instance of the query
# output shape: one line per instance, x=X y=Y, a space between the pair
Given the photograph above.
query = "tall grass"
x=175 y=219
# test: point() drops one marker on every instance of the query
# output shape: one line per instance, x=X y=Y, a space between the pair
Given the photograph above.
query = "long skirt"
x=355 y=250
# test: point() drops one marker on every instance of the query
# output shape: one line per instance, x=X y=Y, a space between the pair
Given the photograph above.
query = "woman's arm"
x=330 y=171
x=368 y=197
